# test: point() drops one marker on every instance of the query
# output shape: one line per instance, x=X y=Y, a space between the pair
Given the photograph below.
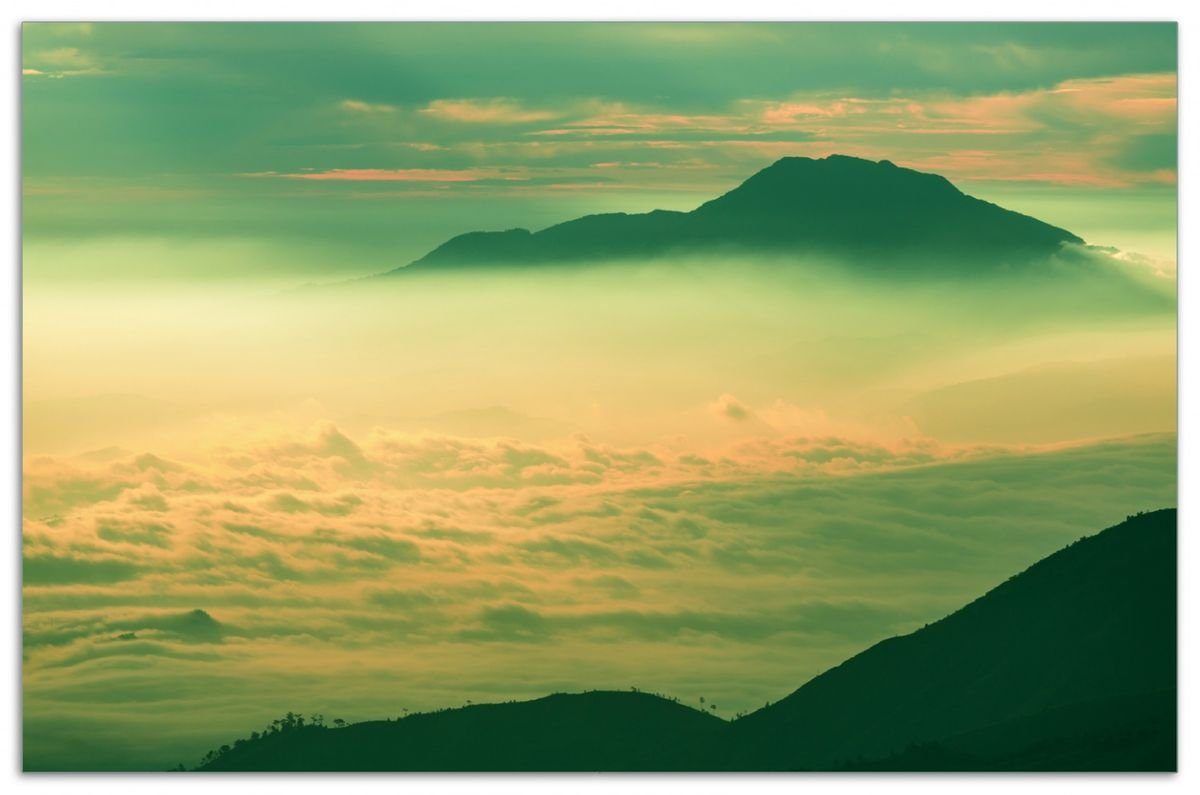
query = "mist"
x=704 y=478
x=625 y=353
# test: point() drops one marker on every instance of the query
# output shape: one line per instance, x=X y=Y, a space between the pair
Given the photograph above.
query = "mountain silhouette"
x=874 y=212
x=1070 y=665
x=562 y=732
x=1093 y=621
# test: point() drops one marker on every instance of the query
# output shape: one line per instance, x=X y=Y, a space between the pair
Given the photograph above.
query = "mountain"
x=1094 y=621
x=1070 y=665
x=562 y=732
x=838 y=205
x=1121 y=733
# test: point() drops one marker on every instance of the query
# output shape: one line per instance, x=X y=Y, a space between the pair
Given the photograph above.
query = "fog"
x=623 y=353
x=708 y=478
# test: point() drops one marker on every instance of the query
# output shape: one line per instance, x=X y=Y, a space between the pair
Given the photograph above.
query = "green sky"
x=348 y=148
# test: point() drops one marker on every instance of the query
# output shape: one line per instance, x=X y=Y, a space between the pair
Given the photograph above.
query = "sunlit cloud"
x=484 y=111
x=729 y=407
x=991 y=132
x=60 y=62
x=983 y=137
x=607 y=119
x=385 y=559
x=391 y=175
x=785 y=113
x=1098 y=114
x=359 y=106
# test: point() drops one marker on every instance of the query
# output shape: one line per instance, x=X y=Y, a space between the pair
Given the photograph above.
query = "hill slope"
x=1070 y=665
x=562 y=732
x=877 y=212
x=1093 y=621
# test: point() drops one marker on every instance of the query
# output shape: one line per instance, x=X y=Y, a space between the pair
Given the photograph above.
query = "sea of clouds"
x=171 y=605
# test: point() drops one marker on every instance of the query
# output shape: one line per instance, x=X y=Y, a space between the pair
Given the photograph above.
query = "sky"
x=256 y=482
x=385 y=140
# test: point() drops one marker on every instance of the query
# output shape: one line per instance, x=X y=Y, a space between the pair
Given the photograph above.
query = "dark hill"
x=1093 y=621
x=1070 y=665
x=877 y=212
x=587 y=731
x=1121 y=733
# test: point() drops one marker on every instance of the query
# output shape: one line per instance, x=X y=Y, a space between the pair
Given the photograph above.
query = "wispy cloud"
x=389 y=175
x=60 y=62
x=485 y=111
x=359 y=106
x=1075 y=132
x=729 y=407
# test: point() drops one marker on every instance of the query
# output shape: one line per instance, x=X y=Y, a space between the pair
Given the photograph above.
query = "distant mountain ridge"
x=838 y=205
x=1070 y=665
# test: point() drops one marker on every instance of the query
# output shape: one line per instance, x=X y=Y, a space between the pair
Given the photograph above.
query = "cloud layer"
x=359 y=579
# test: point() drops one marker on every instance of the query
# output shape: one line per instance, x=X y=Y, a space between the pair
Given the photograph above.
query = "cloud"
x=485 y=111
x=388 y=175
x=973 y=136
x=65 y=61
x=359 y=106
x=341 y=506
x=1087 y=133
x=620 y=119
x=788 y=113
x=136 y=533
x=616 y=587
x=64 y=57
x=47 y=569
x=729 y=407
x=508 y=623
x=734 y=574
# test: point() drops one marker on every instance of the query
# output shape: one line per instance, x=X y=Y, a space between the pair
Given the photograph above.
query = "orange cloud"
x=790 y=112
x=270 y=571
x=1072 y=133
x=390 y=175
x=359 y=106
x=487 y=111
x=606 y=119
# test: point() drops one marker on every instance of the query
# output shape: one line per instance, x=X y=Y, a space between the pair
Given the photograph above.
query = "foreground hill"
x=878 y=213
x=562 y=732
x=1070 y=665
x=1094 y=621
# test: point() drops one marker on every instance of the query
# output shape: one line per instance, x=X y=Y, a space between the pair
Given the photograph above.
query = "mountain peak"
x=862 y=212
x=837 y=183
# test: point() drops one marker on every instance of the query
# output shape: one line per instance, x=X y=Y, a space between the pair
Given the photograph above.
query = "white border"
x=1045 y=10
x=611 y=10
